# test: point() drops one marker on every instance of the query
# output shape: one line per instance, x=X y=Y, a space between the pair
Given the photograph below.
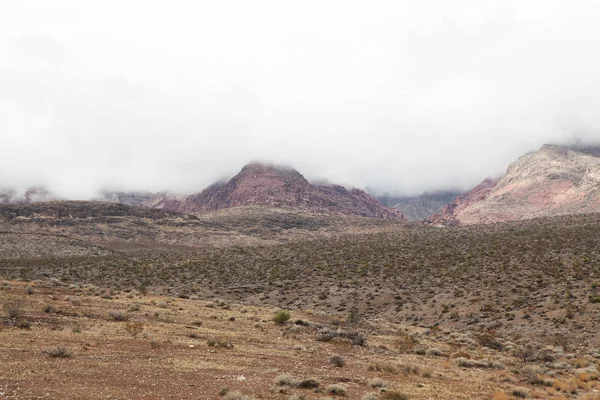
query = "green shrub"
x=282 y=316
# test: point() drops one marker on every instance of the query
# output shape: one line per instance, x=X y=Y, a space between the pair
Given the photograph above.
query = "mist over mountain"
x=401 y=97
x=419 y=207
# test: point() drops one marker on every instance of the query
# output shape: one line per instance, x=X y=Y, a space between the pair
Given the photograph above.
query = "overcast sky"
x=400 y=96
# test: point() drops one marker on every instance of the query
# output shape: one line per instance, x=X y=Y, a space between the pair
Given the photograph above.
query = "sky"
x=397 y=96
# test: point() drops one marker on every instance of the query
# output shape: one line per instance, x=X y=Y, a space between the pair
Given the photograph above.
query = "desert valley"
x=268 y=286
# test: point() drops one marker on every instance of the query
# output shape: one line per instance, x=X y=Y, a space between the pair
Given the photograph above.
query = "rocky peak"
x=555 y=180
x=259 y=184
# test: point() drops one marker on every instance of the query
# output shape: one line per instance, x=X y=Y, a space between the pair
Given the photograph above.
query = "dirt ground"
x=134 y=346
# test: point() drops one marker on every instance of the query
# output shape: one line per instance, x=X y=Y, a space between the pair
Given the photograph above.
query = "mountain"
x=279 y=187
x=555 y=180
x=419 y=207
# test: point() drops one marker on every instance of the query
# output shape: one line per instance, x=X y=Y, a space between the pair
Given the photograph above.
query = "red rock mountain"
x=275 y=186
x=555 y=180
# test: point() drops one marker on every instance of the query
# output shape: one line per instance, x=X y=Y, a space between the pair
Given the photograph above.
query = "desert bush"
x=337 y=360
x=134 y=328
x=325 y=335
x=392 y=395
x=118 y=316
x=60 y=352
x=405 y=343
x=288 y=380
x=14 y=309
x=435 y=352
x=285 y=380
x=356 y=338
x=29 y=289
x=520 y=392
x=236 y=396
x=407 y=369
x=378 y=383
x=466 y=363
x=336 y=390
x=526 y=354
x=489 y=340
x=282 y=316
x=369 y=396
x=23 y=325
x=533 y=375
x=48 y=309
x=382 y=367
x=308 y=383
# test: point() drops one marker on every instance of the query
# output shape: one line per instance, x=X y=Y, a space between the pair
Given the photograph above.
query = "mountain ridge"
x=276 y=186
x=554 y=180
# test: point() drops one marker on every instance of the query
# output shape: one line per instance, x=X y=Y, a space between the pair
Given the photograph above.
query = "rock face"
x=555 y=180
x=419 y=207
x=275 y=186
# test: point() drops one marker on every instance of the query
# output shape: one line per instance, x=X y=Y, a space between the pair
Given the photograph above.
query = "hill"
x=278 y=187
x=555 y=180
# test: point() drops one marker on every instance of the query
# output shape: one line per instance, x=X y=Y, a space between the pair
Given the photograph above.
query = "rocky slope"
x=280 y=187
x=419 y=207
x=555 y=180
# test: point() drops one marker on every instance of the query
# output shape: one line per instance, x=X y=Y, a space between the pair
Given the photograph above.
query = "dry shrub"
x=59 y=352
x=134 y=328
x=565 y=386
x=382 y=367
x=236 y=396
x=336 y=390
x=405 y=343
x=118 y=316
x=14 y=308
x=337 y=360
x=393 y=395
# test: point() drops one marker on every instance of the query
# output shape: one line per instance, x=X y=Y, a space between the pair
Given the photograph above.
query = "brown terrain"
x=110 y=298
x=269 y=287
x=555 y=180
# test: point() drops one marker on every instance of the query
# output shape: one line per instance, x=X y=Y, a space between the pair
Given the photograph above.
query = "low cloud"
x=397 y=96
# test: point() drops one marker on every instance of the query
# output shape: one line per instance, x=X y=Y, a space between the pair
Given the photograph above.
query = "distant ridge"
x=419 y=207
x=275 y=186
x=555 y=180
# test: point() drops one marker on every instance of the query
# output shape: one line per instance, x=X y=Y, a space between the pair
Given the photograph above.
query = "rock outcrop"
x=555 y=180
